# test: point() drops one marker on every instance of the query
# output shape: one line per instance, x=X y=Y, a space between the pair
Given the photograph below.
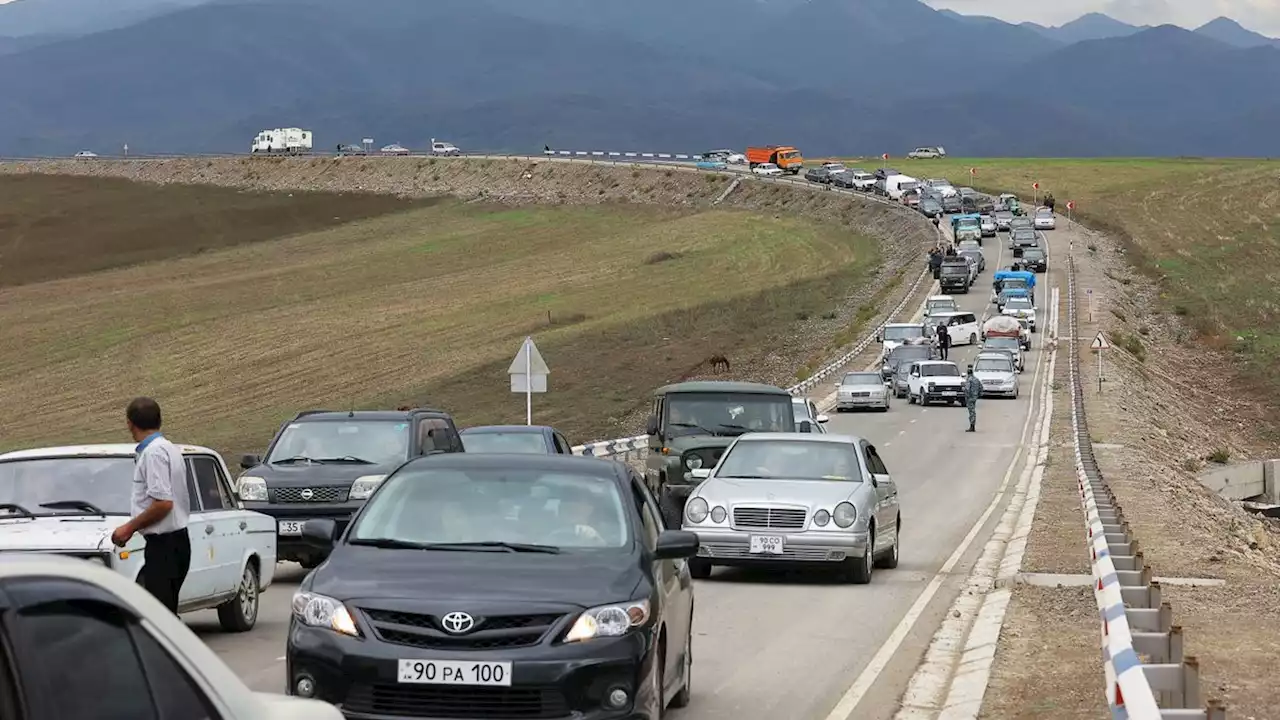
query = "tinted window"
x=794 y=459
x=1018 y=303
x=907 y=332
x=939 y=371
x=505 y=442
x=176 y=696
x=1002 y=342
x=104 y=481
x=438 y=505
x=77 y=660
x=378 y=441
x=694 y=413
x=648 y=518
x=874 y=463
x=212 y=494
x=992 y=365
x=435 y=435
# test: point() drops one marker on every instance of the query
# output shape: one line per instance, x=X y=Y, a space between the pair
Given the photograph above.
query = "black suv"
x=325 y=464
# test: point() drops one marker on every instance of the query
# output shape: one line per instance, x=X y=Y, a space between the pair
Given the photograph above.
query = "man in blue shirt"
x=160 y=505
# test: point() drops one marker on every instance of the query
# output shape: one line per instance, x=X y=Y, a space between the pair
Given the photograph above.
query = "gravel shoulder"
x=1164 y=410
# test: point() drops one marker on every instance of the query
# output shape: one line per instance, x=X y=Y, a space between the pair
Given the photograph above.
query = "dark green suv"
x=693 y=422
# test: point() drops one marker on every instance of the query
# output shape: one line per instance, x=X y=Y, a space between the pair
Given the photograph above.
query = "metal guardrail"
x=1147 y=675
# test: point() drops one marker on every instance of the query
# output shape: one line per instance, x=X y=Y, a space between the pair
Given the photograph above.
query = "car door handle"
x=243 y=524
x=208 y=529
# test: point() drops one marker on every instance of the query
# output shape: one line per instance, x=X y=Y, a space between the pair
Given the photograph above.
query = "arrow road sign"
x=885 y=156
x=528 y=365
x=1071 y=204
x=1035 y=186
x=973 y=171
x=1100 y=342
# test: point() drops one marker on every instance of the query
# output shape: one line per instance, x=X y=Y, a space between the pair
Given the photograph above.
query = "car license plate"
x=290 y=527
x=766 y=544
x=455 y=672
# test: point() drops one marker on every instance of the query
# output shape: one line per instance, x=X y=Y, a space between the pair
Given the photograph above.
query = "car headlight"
x=324 y=612
x=718 y=514
x=364 y=486
x=252 y=489
x=693 y=462
x=844 y=515
x=608 y=621
x=821 y=518
x=697 y=510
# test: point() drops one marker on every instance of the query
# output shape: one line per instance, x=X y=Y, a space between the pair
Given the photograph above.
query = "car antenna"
x=352 y=412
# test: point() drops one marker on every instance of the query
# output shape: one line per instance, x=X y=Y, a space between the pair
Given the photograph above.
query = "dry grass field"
x=426 y=305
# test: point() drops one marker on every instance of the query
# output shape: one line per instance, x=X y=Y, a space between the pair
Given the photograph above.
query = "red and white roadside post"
x=885 y=158
x=1036 y=186
x=1071 y=205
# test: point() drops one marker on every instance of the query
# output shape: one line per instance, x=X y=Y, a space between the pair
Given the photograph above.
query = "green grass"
x=424 y=306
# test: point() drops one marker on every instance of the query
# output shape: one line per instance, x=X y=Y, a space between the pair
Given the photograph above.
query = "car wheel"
x=973 y=338
x=240 y=613
x=1015 y=392
x=860 y=568
x=700 y=569
x=682 y=698
x=890 y=559
x=911 y=399
x=309 y=563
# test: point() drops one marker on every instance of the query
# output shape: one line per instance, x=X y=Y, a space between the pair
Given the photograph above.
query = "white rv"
x=282 y=140
x=896 y=185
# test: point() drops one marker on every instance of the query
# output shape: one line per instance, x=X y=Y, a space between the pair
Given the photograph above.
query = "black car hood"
x=388 y=576
x=306 y=475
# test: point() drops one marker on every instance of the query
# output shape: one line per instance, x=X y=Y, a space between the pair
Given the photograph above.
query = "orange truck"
x=784 y=156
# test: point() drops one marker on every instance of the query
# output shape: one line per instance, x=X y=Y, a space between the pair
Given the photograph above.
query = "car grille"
x=803 y=554
x=326 y=494
x=489 y=633
x=768 y=518
x=461 y=702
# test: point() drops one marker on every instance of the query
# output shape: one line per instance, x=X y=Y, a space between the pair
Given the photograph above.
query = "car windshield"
x=1044 y=213
x=903 y=332
x=1033 y=254
x=862 y=378
x=791 y=459
x=834 y=167
x=967 y=223
x=939 y=370
x=955 y=269
x=1018 y=303
x=377 y=441
x=992 y=365
x=1002 y=343
x=505 y=442
x=1015 y=283
x=727 y=414
x=105 y=482
x=425 y=506
x=909 y=353
x=937 y=306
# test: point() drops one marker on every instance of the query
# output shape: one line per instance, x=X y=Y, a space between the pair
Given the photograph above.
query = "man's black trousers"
x=165 y=564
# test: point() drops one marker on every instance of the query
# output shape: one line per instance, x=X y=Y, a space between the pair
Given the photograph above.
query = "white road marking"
x=866 y=679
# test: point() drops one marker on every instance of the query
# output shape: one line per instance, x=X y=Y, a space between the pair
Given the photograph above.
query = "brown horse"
x=719 y=363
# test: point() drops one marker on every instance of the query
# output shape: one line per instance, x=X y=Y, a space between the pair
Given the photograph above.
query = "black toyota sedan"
x=498 y=586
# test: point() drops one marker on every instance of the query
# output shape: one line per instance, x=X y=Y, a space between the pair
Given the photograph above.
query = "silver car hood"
x=810 y=494
x=861 y=388
x=999 y=375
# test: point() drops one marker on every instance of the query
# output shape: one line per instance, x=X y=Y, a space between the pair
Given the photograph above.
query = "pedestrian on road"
x=944 y=340
x=160 y=505
x=972 y=391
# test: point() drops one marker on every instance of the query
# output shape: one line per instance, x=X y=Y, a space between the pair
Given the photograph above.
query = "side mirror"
x=822 y=419
x=700 y=473
x=806 y=426
x=249 y=461
x=676 y=544
x=651 y=425
x=319 y=533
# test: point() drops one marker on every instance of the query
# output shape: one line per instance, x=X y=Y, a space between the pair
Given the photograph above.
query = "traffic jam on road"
x=489 y=572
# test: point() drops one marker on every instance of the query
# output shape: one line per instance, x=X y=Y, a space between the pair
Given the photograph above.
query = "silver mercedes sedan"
x=793 y=499
x=862 y=390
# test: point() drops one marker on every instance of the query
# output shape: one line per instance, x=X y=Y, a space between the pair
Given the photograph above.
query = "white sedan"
x=77 y=620
x=767 y=169
x=1044 y=219
x=86 y=155
x=997 y=374
x=68 y=500
x=394 y=150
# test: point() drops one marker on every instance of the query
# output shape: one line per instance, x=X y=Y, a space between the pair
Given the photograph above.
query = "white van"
x=896 y=185
x=962 y=326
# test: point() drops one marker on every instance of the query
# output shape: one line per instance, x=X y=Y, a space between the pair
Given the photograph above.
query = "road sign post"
x=885 y=158
x=1071 y=205
x=126 y=149
x=1036 y=186
x=528 y=373
x=1099 y=344
x=1089 y=294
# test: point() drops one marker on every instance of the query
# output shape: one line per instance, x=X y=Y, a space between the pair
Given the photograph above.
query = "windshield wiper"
x=496 y=545
x=81 y=505
x=731 y=426
x=16 y=509
x=294 y=459
x=344 y=459
x=692 y=425
x=487 y=546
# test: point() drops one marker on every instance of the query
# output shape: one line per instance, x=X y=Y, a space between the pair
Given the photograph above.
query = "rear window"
x=505 y=442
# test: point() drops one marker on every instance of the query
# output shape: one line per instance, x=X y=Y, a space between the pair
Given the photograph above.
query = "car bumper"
x=554 y=682
x=1000 y=390
x=940 y=394
x=725 y=546
x=291 y=547
x=855 y=403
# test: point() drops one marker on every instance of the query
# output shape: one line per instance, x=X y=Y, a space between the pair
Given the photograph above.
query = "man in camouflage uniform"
x=972 y=391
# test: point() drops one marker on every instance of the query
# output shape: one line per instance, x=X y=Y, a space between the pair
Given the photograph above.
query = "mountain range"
x=830 y=76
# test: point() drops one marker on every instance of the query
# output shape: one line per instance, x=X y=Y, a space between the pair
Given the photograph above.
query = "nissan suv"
x=325 y=464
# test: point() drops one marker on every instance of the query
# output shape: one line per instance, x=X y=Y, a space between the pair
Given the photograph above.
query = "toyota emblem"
x=307 y=494
x=457 y=623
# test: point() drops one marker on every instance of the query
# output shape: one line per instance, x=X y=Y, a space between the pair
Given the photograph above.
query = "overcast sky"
x=1259 y=15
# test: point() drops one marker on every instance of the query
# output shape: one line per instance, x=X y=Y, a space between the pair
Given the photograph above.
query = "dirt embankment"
x=810 y=339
